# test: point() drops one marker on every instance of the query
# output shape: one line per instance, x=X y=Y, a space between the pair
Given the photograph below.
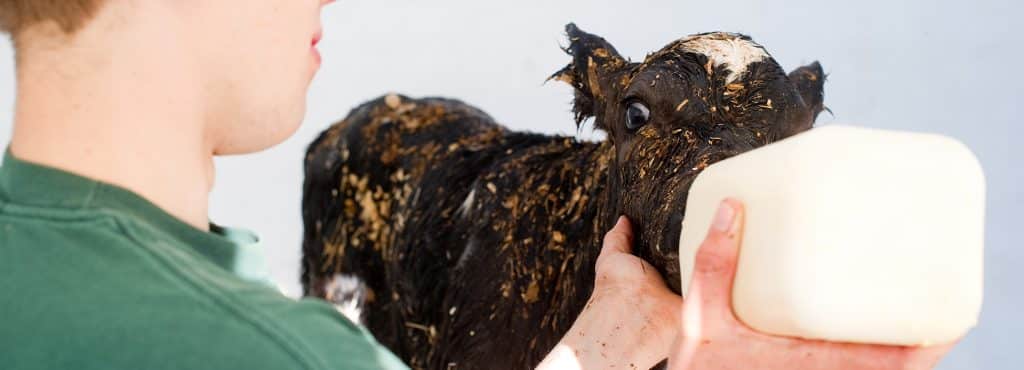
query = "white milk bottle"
x=851 y=235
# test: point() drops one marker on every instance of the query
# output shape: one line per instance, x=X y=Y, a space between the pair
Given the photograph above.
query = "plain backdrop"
x=948 y=67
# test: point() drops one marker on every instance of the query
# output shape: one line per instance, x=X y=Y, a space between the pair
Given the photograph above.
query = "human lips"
x=317 y=37
x=313 y=50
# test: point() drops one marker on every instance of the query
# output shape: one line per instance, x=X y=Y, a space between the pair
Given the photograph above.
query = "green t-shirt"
x=93 y=276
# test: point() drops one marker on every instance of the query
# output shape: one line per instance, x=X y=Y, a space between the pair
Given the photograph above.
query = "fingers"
x=927 y=357
x=620 y=238
x=716 y=259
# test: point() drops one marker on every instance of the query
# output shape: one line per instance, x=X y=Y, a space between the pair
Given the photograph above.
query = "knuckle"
x=713 y=259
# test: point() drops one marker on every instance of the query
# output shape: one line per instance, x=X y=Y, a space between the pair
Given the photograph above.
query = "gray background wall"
x=949 y=67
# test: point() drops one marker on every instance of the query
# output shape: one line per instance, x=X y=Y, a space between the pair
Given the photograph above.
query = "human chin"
x=259 y=133
x=280 y=130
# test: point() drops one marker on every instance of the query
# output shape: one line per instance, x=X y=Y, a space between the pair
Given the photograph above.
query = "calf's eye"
x=637 y=115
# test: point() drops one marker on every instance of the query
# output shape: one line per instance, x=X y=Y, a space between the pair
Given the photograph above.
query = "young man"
x=107 y=259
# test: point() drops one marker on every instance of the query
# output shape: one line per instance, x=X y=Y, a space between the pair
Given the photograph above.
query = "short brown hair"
x=16 y=15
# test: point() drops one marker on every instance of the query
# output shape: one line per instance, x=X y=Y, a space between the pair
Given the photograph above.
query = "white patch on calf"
x=467 y=205
x=348 y=295
x=726 y=49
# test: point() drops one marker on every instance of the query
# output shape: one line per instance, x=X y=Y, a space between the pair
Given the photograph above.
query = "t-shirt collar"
x=28 y=184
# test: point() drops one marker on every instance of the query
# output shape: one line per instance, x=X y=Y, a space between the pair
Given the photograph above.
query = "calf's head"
x=697 y=101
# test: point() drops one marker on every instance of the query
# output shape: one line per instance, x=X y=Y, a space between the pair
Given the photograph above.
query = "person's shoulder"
x=168 y=307
x=310 y=334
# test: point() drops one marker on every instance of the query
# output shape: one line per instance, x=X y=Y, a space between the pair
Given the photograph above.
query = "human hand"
x=631 y=319
x=712 y=338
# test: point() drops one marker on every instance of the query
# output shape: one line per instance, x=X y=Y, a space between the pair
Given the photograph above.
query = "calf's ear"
x=593 y=58
x=809 y=81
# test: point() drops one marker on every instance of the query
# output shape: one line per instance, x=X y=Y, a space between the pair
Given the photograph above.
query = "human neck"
x=127 y=112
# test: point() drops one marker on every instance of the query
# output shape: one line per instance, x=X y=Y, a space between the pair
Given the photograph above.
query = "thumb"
x=715 y=265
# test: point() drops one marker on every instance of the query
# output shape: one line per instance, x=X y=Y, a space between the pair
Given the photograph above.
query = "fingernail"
x=724 y=218
x=620 y=221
